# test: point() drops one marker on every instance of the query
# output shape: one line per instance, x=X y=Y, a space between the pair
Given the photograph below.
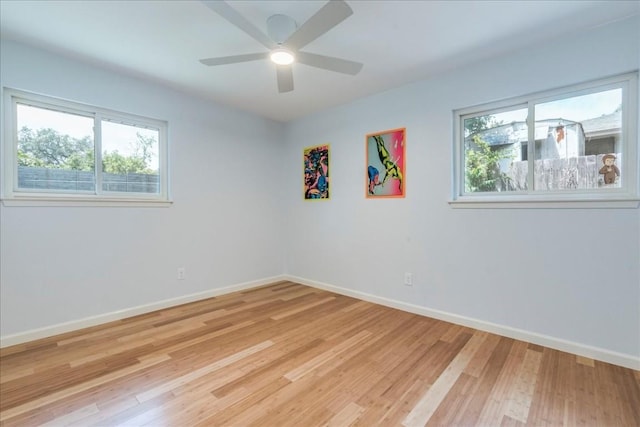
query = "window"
x=573 y=145
x=64 y=152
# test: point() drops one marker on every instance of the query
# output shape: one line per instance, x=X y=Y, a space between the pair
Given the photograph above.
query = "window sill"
x=543 y=203
x=26 y=201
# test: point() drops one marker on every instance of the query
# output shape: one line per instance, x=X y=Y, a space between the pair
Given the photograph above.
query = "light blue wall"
x=62 y=264
x=239 y=216
x=571 y=274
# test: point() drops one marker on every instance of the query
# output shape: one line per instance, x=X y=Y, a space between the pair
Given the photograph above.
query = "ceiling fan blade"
x=235 y=59
x=329 y=63
x=230 y=14
x=285 y=78
x=330 y=15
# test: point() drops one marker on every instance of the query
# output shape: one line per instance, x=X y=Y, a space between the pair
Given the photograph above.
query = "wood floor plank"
x=106 y=410
x=249 y=406
x=17 y=373
x=290 y=355
x=73 y=416
x=300 y=371
x=479 y=390
x=396 y=409
x=185 y=379
x=520 y=402
x=500 y=396
x=300 y=309
x=268 y=372
x=585 y=361
x=192 y=409
x=346 y=417
x=79 y=388
x=141 y=413
x=428 y=404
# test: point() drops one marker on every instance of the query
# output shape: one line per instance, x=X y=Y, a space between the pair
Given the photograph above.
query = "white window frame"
x=628 y=196
x=11 y=195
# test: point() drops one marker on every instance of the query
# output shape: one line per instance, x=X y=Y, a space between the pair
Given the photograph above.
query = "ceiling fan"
x=285 y=39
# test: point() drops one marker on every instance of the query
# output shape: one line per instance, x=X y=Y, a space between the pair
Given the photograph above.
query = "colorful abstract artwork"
x=316 y=172
x=386 y=161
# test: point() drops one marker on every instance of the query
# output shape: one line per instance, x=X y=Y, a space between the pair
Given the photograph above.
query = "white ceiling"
x=398 y=41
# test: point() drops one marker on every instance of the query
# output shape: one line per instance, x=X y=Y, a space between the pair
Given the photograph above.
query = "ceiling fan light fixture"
x=285 y=41
x=282 y=56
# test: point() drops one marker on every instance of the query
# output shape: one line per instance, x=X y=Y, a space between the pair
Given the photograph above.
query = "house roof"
x=605 y=123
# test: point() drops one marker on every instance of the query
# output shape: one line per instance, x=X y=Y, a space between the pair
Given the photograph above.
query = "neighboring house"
x=567 y=153
x=559 y=139
x=556 y=138
x=603 y=134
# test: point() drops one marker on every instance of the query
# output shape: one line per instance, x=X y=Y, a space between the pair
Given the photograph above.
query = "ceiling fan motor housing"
x=280 y=27
x=284 y=40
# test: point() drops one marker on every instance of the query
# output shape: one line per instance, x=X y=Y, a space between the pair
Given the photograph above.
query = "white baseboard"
x=74 y=325
x=620 y=359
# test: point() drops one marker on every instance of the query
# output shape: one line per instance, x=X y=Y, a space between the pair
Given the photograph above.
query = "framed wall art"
x=316 y=172
x=385 y=156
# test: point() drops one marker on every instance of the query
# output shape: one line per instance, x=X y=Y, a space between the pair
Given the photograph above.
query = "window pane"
x=496 y=151
x=578 y=142
x=130 y=159
x=55 y=150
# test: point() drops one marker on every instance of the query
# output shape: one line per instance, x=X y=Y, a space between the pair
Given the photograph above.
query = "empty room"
x=319 y=213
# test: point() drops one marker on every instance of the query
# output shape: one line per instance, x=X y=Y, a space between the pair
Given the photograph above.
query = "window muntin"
x=59 y=150
x=579 y=144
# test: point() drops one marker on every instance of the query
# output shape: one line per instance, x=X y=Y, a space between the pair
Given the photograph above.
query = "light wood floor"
x=290 y=355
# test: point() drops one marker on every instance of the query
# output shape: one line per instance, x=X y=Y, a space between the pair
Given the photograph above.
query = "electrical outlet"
x=181 y=273
x=408 y=279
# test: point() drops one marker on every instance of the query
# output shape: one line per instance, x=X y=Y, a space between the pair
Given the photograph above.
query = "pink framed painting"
x=385 y=156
